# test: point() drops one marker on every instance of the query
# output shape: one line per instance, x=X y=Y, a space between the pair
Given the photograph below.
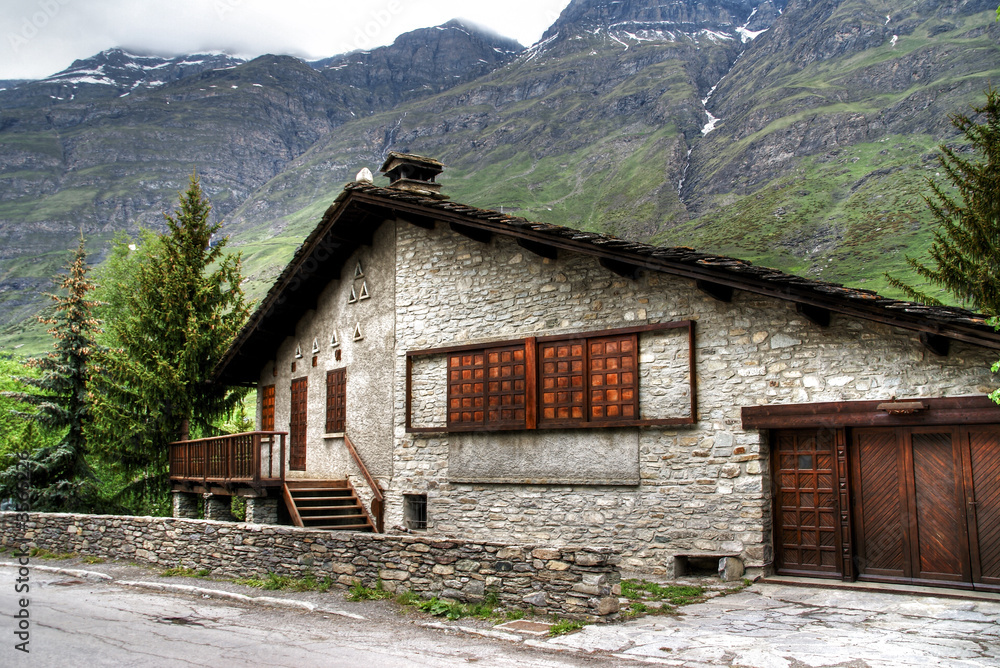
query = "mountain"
x=796 y=135
x=107 y=144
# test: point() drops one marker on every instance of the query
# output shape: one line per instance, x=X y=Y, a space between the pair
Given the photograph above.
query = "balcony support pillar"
x=262 y=510
x=185 y=505
x=218 y=507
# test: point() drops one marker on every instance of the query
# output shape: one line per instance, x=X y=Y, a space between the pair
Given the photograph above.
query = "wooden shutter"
x=298 y=425
x=267 y=408
x=336 y=401
x=563 y=380
x=467 y=389
x=613 y=379
x=506 y=387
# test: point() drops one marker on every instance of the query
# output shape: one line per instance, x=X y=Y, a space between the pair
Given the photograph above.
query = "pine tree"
x=965 y=253
x=175 y=303
x=61 y=477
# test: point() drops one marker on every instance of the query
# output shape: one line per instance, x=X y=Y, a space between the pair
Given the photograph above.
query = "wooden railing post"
x=378 y=500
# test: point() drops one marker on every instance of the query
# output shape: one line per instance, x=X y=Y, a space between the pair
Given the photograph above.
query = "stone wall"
x=577 y=582
x=702 y=488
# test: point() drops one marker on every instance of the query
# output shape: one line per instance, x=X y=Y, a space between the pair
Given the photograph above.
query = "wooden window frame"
x=533 y=381
x=336 y=401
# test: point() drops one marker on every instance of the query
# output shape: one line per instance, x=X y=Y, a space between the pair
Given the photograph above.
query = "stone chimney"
x=413 y=173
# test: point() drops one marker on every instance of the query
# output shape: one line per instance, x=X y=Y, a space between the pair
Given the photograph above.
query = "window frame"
x=534 y=418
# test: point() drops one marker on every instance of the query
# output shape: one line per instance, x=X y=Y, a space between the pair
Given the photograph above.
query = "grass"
x=564 y=626
x=42 y=553
x=274 y=582
x=182 y=571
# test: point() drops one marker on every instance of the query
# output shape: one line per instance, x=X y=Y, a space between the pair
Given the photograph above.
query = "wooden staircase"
x=332 y=505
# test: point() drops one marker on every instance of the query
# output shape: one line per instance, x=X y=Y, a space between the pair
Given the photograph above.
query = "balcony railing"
x=256 y=457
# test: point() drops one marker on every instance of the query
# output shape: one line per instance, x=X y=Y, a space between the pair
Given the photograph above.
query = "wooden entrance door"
x=297 y=427
x=917 y=493
x=807 y=540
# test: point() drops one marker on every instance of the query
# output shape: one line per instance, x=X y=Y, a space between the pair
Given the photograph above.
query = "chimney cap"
x=414 y=173
x=396 y=158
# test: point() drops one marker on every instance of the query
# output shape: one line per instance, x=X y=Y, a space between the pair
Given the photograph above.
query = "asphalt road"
x=74 y=622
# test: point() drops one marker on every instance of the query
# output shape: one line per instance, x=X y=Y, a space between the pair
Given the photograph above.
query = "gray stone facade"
x=650 y=493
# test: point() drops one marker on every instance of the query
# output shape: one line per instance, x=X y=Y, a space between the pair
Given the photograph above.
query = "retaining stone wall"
x=573 y=582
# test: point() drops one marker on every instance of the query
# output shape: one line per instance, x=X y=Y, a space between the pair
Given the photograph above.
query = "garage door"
x=919 y=505
x=926 y=505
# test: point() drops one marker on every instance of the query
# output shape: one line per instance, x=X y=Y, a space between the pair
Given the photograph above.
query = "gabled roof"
x=352 y=219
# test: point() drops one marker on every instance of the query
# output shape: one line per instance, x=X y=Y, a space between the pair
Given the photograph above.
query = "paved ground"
x=95 y=618
x=781 y=626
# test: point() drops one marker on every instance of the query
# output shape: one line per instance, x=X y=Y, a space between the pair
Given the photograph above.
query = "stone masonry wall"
x=575 y=582
x=703 y=488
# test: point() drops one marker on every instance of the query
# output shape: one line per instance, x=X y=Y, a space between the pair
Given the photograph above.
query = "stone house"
x=467 y=373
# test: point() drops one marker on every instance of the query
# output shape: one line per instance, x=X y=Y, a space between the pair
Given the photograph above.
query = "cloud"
x=41 y=37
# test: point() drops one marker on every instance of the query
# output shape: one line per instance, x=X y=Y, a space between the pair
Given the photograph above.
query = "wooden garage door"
x=981 y=449
x=927 y=504
x=806 y=530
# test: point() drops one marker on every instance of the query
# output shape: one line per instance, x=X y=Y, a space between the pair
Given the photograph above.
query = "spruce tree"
x=61 y=477
x=175 y=303
x=965 y=253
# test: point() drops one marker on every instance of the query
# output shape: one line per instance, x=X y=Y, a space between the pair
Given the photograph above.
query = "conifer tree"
x=965 y=253
x=175 y=303
x=966 y=247
x=61 y=477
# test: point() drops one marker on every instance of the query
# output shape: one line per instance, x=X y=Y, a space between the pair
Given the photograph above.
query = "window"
x=336 y=401
x=267 y=408
x=488 y=388
x=557 y=382
x=415 y=511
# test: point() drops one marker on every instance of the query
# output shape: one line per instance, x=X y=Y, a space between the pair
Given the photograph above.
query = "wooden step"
x=331 y=505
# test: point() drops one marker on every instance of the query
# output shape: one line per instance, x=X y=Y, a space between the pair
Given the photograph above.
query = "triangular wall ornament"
x=315 y=345
x=357 y=332
x=354 y=296
x=358 y=272
x=364 y=291
x=298 y=351
x=334 y=341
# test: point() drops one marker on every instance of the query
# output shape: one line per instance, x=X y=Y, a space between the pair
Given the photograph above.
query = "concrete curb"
x=486 y=633
x=88 y=575
x=271 y=601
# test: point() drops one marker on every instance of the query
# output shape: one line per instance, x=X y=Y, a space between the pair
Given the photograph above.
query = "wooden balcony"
x=255 y=458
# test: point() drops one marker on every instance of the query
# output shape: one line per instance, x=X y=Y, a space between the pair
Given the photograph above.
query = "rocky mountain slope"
x=798 y=136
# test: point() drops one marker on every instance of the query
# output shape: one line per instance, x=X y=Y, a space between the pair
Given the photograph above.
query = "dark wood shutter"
x=267 y=408
x=467 y=389
x=298 y=425
x=613 y=379
x=806 y=503
x=336 y=401
x=506 y=387
x=563 y=378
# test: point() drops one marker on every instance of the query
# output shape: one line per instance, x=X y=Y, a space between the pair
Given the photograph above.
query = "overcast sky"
x=42 y=37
